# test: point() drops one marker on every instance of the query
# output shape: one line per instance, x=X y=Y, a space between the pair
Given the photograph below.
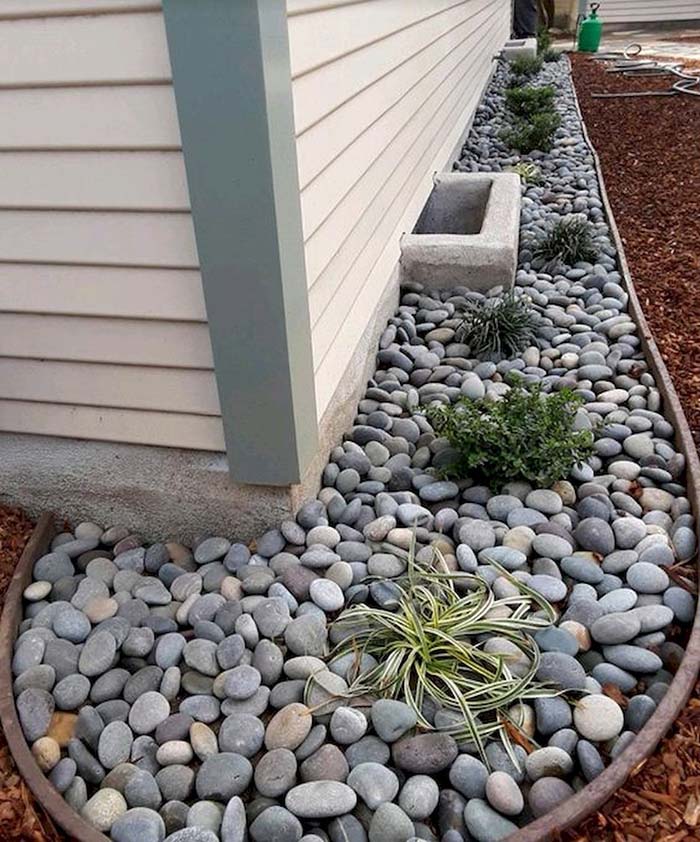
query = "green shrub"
x=537 y=132
x=503 y=325
x=529 y=100
x=569 y=241
x=429 y=649
x=544 y=40
x=529 y=173
x=524 y=68
x=551 y=54
x=528 y=435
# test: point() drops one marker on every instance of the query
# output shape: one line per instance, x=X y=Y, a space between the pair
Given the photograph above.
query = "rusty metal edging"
x=548 y=827
x=49 y=798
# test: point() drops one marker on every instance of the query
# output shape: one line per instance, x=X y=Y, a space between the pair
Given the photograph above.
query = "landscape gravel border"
x=614 y=776
x=545 y=828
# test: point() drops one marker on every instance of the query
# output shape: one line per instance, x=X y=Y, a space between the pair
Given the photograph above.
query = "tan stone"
x=47 y=753
x=62 y=727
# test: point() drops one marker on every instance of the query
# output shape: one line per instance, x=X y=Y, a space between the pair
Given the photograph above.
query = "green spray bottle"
x=590 y=31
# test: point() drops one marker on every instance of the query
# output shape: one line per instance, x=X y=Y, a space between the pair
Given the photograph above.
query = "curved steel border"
x=545 y=829
x=49 y=798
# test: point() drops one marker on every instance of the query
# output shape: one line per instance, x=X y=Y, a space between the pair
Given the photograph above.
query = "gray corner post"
x=231 y=74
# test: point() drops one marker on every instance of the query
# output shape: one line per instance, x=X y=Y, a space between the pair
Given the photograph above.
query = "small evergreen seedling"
x=528 y=435
x=537 y=132
x=570 y=241
x=525 y=67
x=503 y=325
x=544 y=40
x=529 y=100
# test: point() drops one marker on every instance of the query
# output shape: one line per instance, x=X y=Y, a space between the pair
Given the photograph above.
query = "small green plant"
x=535 y=133
x=550 y=55
x=529 y=100
x=544 y=40
x=525 y=67
x=529 y=173
x=503 y=325
x=528 y=435
x=569 y=241
x=430 y=648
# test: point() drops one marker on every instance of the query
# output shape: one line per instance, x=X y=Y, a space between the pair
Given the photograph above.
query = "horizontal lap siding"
x=103 y=330
x=383 y=90
x=648 y=11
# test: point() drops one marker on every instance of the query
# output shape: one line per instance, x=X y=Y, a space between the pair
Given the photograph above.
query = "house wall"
x=383 y=91
x=648 y=11
x=103 y=330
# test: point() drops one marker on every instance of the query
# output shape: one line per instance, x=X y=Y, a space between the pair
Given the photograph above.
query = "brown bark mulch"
x=649 y=149
x=21 y=818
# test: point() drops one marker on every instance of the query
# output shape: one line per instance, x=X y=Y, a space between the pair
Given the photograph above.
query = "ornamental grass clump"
x=430 y=649
x=569 y=241
x=504 y=325
x=529 y=100
x=527 y=435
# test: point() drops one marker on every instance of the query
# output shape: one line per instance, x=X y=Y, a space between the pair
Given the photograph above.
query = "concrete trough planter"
x=520 y=48
x=467 y=233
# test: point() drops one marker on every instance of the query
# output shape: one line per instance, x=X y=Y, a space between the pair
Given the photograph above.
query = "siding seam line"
x=378 y=190
x=440 y=129
x=301 y=73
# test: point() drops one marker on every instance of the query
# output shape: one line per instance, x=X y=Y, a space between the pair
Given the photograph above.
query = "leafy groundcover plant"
x=528 y=435
x=537 y=132
x=529 y=100
x=430 y=649
x=569 y=241
x=504 y=325
x=530 y=173
x=525 y=68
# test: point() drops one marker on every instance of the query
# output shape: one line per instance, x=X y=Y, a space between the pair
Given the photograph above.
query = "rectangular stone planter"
x=467 y=233
x=520 y=48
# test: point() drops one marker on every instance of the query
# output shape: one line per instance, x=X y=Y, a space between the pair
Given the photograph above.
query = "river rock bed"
x=162 y=687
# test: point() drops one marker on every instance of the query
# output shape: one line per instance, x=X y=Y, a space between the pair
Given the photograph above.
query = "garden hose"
x=626 y=64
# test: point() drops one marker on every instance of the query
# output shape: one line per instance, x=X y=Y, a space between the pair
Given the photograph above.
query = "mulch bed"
x=21 y=818
x=650 y=153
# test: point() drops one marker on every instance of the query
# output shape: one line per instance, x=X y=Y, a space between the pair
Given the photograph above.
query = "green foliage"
x=544 y=40
x=503 y=325
x=537 y=132
x=569 y=241
x=528 y=435
x=529 y=100
x=530 y=173
x=524 y=68
x=550 y=54
x=430 y=648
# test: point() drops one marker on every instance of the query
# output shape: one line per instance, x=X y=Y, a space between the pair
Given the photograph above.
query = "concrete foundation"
x=467 y=233
x=163 y=492
x=520 y=48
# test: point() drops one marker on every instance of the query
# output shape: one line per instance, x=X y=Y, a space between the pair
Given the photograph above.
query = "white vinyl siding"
x=648 y=11
x=103 y=330
x=383 y=90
